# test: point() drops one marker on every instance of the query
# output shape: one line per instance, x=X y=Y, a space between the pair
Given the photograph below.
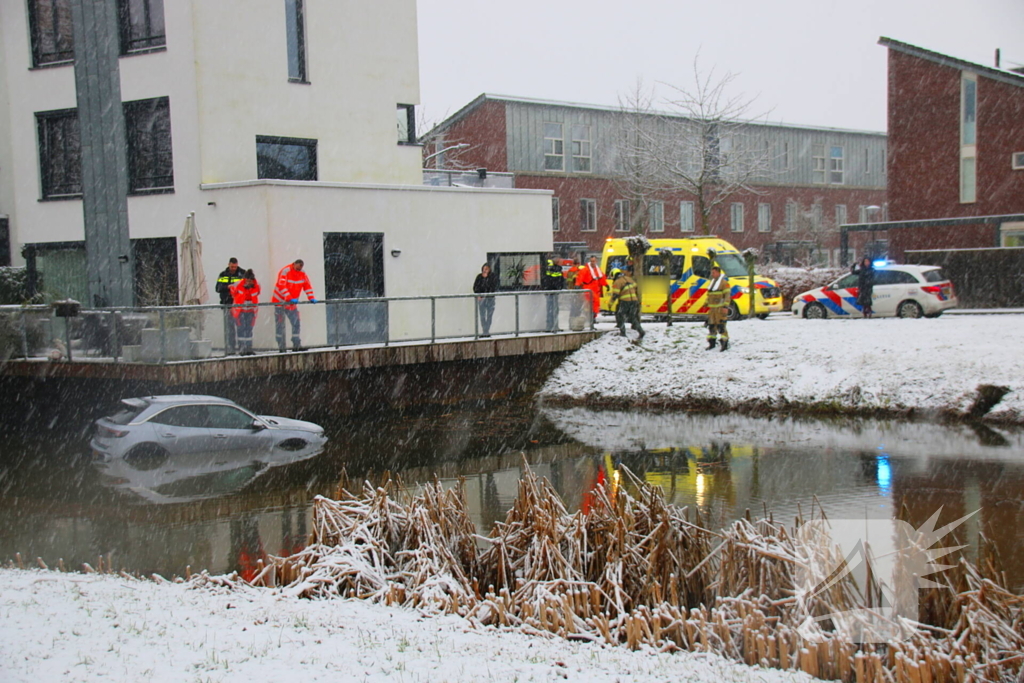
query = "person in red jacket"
x=245 y=294
x=592 y=278
x=291 y=282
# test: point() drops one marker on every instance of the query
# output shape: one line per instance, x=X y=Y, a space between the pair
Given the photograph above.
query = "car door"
x=840 y=298
x=887 y=292
x=182 y=430
x=233 y=432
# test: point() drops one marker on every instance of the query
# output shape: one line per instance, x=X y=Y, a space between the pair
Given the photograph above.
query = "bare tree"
x=708 y=144
x=639 y=178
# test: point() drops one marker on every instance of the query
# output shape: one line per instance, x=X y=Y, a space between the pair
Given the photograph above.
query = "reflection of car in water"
x=178 y=448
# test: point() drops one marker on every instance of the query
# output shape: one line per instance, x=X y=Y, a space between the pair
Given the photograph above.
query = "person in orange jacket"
x=291 y=282
x=245 y=294
x=592 y=278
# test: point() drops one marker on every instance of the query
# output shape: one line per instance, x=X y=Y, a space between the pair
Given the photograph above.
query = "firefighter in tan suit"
x=718 y=309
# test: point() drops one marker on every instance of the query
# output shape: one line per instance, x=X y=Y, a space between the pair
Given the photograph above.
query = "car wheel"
x=734 y=312
x=146 y=456
x=815 y=312
x=762 y=316
x=909 y=309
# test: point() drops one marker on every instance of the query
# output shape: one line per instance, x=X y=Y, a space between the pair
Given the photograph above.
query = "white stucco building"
x=283 y=124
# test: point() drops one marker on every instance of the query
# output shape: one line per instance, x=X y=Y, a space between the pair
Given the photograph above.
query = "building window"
x=840 y=214
x=791 y=210
x=581 y=149
x=142 y=25
x=968 y=138
x=862 y=214
x=867 y=162
x=554 y=152
x=764 y=217
x=686 y=217
x=835 y=165
x=556 y=215
x=657 y=217
x=285 y=158
x=406 y=124
x=1017 y=161
x=150 y=162
x=736 y=217
x=53 y=41
x=785 y=155
x=621 y=215
x=884 y=162
x=817 y=215
x=818 y=163
x=295 y=30
x=588 y=215
x=60 y=153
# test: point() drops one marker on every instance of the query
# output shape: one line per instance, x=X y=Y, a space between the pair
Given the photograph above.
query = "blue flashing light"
x=879 y=264
x=883 y=473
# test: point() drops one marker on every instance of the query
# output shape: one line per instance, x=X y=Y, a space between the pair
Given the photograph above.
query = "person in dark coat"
x=225 y=281
x=486 y=283
x=552 y=280
x=865 y=273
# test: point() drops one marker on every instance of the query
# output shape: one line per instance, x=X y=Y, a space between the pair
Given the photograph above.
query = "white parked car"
x=904 y=291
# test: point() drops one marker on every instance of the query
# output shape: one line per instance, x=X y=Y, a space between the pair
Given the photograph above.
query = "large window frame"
x=60 y=154
x=295 y=40
x=686 y=217
x=841 y=218
x=656 y=217
x=621 y=215
x=142 y=26
x=736 y=217
x=52 y=32
x=818 y=163
x=968 y=138
x=273 y=149
x=792 y=209
x=405 y=115
x=556 y=215
x=581 y=148
x=150 y=146
x=764 y=217
x=836 y=165
x=588 y=215
x=554 y=146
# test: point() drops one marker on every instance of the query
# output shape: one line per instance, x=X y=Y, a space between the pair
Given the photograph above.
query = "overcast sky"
x=814 y=62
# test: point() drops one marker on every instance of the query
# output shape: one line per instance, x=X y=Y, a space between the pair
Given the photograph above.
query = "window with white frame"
x=556 y=215
x=588 y=215
x=835 y=165
x=764 y=217
x=862 y=214
x=968 y=138
x=657 y=217
x=581 y=148
x=840 y=214
x=817 y=215
x=686 y=217
x=554 y=150
x=818 y=163
x=1011 y=234
x=621 y=215
x=1017 y=161
x=736 y=217
x=791 y=210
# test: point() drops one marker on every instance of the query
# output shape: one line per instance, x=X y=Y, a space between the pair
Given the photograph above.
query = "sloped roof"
x=954 y=62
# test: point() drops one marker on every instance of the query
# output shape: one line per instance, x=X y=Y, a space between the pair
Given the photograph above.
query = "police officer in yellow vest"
x=225 y=281
x=718 y=309
x=626 y=294
x=552 y=280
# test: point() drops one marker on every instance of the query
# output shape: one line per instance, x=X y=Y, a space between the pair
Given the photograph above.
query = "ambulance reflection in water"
x=690 y=475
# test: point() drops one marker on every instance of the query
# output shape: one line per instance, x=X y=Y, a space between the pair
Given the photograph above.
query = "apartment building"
x=815 y=178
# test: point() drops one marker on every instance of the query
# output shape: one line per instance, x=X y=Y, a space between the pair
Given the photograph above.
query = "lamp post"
x=440 y=162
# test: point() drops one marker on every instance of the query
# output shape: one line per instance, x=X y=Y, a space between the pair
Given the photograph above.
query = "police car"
x=904 y=291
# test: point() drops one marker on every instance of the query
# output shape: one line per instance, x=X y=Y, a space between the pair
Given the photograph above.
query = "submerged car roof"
x=143 y=401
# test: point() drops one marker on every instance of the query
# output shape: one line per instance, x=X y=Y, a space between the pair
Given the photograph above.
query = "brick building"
x=816 y=179
x=956 y=152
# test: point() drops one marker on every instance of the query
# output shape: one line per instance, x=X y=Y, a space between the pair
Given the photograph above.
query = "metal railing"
x=162 y=334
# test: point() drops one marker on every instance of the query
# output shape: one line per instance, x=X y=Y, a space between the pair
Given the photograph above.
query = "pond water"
x=55 y=505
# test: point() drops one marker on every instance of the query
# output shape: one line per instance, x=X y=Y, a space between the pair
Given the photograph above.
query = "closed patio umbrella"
x=192 y=289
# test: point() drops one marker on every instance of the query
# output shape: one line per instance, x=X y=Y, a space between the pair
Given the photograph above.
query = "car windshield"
x=126 y=414
x=934 y=275
x=732 y=265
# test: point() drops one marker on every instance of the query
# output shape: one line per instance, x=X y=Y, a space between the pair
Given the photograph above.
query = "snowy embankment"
x=925 y=367
x=78 y=627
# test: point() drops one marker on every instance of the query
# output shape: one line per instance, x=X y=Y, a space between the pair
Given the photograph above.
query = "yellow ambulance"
x=684 y=282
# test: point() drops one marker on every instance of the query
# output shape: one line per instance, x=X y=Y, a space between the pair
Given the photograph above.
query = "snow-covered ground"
x=889 y=364
x=88 y=627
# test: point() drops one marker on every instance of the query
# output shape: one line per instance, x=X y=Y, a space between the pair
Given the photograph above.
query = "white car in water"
x=904 y=291
x=180 y=432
